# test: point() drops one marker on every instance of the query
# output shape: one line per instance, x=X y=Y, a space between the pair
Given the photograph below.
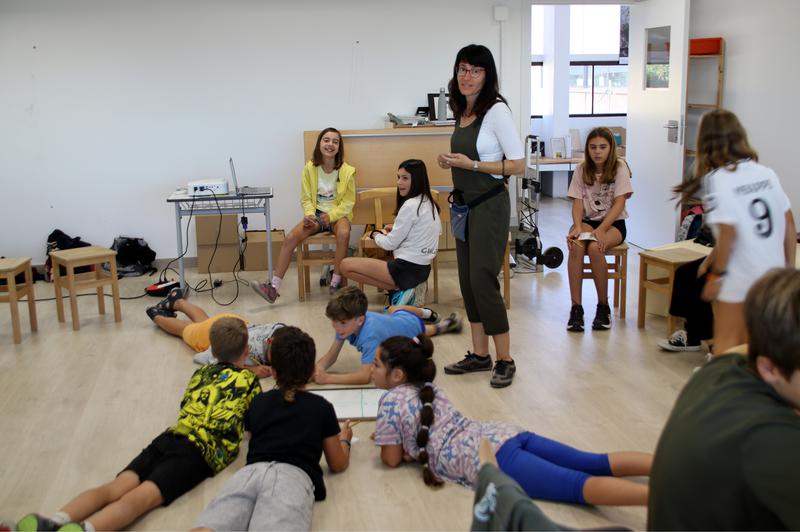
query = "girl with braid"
x=417 y=422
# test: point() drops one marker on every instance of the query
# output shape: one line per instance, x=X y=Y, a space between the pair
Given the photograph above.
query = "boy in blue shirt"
x=365 y=330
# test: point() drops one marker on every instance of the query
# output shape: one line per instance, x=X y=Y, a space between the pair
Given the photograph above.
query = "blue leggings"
x=549 y=470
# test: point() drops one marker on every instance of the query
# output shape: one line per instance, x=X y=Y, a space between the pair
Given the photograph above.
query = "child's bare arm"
x=337 y=448
x=362 y=376
x=333 y=353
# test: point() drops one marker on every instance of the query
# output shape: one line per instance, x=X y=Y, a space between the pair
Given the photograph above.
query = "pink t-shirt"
x=453 y=440
x=598 y=198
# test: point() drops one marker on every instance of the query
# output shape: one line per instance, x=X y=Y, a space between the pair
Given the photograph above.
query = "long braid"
x=414 y=357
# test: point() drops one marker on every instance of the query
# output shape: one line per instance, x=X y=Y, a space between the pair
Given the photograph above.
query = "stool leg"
x=98 y=275
x=623 y=285
x=115 y=290
x=57 y=288
x=435 y=279
x=642 y=292
x=31 y=298
x=301 y=283
x=672 y=322
x=73 y=298
x=12 y=299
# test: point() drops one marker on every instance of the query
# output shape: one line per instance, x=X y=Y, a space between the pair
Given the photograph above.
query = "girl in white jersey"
x=413 y=237
x=750 y=215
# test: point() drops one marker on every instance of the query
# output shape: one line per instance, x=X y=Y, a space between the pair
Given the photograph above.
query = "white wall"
x=761 y=75
x=106 y=107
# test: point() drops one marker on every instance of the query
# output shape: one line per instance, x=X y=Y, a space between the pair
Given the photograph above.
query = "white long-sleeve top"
x=414 y=237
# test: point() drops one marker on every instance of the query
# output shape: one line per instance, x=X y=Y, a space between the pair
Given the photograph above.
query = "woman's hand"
x=602 y=239
x=457 y=160
x=711 y=288
x=441 y=161
x=572 y=236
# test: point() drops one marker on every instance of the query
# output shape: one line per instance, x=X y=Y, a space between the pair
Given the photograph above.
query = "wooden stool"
x=666 y=259
x=617 y=270
x=9 y=269
x=307 y=258
x=87 y=256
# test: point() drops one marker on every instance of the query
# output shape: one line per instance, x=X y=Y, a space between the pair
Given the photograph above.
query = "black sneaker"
x=36 y=522
x=575 y=323
x=469 y=364
x=602 y=318
x=434 y=317
x=679 y=341
x=503 y=373
x=152 y=312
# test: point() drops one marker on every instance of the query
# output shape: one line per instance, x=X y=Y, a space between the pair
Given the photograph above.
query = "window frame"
x=539 y=63
x=594 y=63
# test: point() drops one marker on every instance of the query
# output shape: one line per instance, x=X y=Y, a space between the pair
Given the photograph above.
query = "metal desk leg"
x=269 y=240
x=180 y=245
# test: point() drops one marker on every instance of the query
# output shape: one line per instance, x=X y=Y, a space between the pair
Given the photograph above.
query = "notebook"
x=352 y=403
x=247 y=191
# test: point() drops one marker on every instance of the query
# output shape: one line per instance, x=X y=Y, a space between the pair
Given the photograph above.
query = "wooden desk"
x=668 y=258
x=552 y=164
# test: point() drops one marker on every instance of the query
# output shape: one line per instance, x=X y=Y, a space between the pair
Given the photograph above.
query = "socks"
x=276 y=282
x=336 y=279
x=88 y=527
x=426 y=313
x=61 y=517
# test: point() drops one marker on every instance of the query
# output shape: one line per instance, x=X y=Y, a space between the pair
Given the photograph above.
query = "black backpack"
x=58 y=239
x=134 y=256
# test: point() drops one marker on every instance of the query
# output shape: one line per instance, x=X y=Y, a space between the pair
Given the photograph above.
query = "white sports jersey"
x=752 y=200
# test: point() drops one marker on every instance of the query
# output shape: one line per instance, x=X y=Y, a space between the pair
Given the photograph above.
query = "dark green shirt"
x=729 y=456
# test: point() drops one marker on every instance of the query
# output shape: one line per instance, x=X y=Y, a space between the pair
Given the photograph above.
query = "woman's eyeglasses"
x=474 y=72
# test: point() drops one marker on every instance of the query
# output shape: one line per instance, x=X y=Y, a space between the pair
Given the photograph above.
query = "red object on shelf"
x=709 y=46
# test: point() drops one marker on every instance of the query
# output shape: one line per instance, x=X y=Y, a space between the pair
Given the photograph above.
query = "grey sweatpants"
x=262 y=496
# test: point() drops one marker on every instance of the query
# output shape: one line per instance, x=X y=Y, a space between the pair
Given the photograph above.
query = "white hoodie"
x=414 y=237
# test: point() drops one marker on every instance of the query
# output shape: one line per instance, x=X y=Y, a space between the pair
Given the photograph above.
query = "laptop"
x=247 y=191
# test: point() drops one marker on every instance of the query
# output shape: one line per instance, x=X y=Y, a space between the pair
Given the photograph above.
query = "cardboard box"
x=227 y=245
x=620 y=132
x=225 y=258
x=255 y=254
x=206 y=228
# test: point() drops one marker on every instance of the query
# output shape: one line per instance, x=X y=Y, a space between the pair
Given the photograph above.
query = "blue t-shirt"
x=378 y=327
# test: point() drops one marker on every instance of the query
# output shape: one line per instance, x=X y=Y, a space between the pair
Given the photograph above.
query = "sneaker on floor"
x=152 y=312
x=420 y=292
x=433 y=318
x=402 y=297
x=204 y=357
x=36 y=522
x=503 y=373
x=451 y=324
x=602 y=318
x=679 y=341
x=469 y=364
x=72 y=526
x=265 y=290
x=168 y=303
x=575 y=323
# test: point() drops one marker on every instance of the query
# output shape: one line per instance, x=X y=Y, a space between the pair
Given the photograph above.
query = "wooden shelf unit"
x=705 y=78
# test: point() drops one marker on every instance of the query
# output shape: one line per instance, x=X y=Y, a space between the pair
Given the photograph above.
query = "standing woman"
x=328 y=193
x=750 y=215
x=485 y=147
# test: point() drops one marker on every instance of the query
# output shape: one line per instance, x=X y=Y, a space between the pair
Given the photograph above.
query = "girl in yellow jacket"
x=327 y=196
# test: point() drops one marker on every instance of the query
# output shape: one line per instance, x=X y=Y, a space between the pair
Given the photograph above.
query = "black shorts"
x=407 y=274
x=173 y=463
x=322 y=227
x=619 y=224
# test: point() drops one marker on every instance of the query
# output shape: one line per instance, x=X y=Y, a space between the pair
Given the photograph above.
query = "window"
x=598 y=88
x=594 y=30
x=537 y=90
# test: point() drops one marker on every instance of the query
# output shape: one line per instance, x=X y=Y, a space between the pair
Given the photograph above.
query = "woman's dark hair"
x=721 y=141
x=414 y=357
x=316 y=159
x=292 y=354
x=420 y=184
x=476 y=55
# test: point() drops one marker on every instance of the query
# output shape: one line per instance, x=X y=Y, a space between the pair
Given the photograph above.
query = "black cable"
x=93 y=295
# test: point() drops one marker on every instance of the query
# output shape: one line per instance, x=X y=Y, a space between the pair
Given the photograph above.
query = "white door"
x=654 y=102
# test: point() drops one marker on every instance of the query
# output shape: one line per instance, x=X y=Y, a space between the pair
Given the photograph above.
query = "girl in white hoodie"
x=413 y=239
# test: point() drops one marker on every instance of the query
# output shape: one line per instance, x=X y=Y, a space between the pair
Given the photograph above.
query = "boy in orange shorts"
x=195 y=333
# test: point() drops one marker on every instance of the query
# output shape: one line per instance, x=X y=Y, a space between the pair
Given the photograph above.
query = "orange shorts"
x=197 y=334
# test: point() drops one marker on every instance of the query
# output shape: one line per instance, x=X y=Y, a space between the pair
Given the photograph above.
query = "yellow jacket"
x=345 y=192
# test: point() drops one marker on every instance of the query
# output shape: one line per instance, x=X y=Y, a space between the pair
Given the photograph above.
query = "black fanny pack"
x=459 y=211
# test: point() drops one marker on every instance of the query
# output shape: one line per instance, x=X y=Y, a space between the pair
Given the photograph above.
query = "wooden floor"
x=76 y=407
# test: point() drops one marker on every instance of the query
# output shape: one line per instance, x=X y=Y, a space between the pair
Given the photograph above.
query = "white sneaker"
x=204 y=357
x=678 y=342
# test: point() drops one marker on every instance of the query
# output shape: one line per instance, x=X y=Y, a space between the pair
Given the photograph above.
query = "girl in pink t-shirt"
x=599 y=188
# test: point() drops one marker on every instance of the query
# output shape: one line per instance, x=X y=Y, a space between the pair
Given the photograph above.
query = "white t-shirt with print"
x=326 y=189
x=752 y=200
x=599 y=197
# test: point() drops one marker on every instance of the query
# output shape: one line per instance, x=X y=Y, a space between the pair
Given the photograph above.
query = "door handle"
x=671 y=125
